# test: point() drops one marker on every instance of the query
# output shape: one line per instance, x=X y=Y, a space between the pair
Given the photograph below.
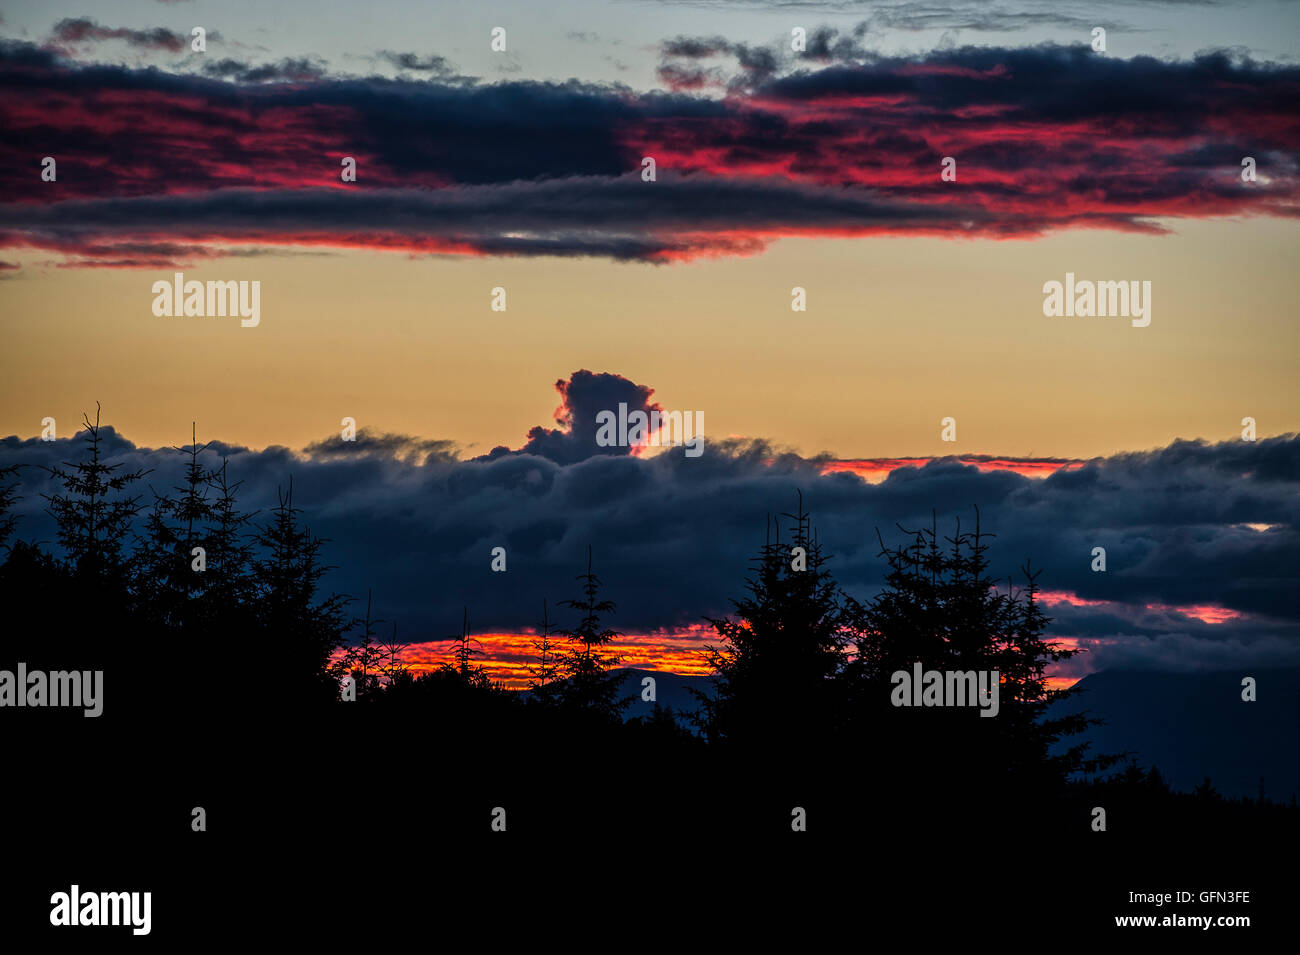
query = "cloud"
x=292 y=70
x=584 y=395
x=1202 y=539
x=419 y=64
x=86 y=30
x=755 y=61
x=1045 y=138
x=1181 y=653
x=976 y=15
x=697 y=216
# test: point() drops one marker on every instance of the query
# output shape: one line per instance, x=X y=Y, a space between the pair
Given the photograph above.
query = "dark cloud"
x=84 y=29
x=583 y=396
x=756 y=63
x=686 y=78
x=294 y=70
x=696 y=48
x=915 y=17
x=977 y=15
x=553 y=217
x=1050 y=137
x=416 y=520
x=436 y=65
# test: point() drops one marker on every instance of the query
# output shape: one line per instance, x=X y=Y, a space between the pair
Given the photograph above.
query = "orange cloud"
x=875 y=470
x=507 y=657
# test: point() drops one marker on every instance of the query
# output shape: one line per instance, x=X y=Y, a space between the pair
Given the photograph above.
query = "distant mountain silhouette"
x=672 y=690
x=1194 y=725
x=1188 y=725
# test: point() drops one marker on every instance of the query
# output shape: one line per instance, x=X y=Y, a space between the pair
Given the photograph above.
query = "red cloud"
x=1044 y=139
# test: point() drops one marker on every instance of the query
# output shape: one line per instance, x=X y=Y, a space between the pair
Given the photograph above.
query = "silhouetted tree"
x=192 y=508
x=547 y=670
x=395 y=672
x=167 y=587
x=93 y=513
x=230 y=557
x=776 y=668
x=940 y=608
x=466 y=649
x=591 y=682
x=8 y=495
x=300 y=628
x=362 y=660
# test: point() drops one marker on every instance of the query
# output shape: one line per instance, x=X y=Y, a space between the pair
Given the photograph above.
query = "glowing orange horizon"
x=875 y=470
x=508 y=657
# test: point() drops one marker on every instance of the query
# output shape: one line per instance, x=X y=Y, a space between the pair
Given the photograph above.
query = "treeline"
x=179 y=591
x=202 y=611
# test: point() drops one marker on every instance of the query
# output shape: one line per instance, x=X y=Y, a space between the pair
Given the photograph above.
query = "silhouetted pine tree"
x=8 y=495
x=395 y=672
x=98 y=628
x=940 y=607
x=167 y=588
x=546 y=671
x=591 y=682
x=193 y=511
x=473 y=677
x=156 y=567
x=362 y=660
x=230 y=557
x=300 y=628
x=93 y=513
x=776 y=668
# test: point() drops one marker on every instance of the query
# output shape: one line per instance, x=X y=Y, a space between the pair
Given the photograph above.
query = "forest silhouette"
x=231 y=686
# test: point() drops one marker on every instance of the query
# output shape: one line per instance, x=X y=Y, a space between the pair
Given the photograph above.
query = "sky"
x=521 y=170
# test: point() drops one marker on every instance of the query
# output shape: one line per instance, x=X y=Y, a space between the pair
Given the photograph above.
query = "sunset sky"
x=522 y=170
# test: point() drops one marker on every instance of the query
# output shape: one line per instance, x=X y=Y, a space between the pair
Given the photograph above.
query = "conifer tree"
x=940 y=608
x=394 y=671
x=591 y=682
x=230 y=557
x=782 y=650
x=301 y=628
x=463 y=672
x=193 y=511
x=8 y=495
x=546 y=671
x=156 y=567
x=363 y=659
x=94 y=512
x=168 y=589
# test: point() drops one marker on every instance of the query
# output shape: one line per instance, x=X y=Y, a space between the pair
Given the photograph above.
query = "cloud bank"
x=159 y=169
x=1201 y=539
